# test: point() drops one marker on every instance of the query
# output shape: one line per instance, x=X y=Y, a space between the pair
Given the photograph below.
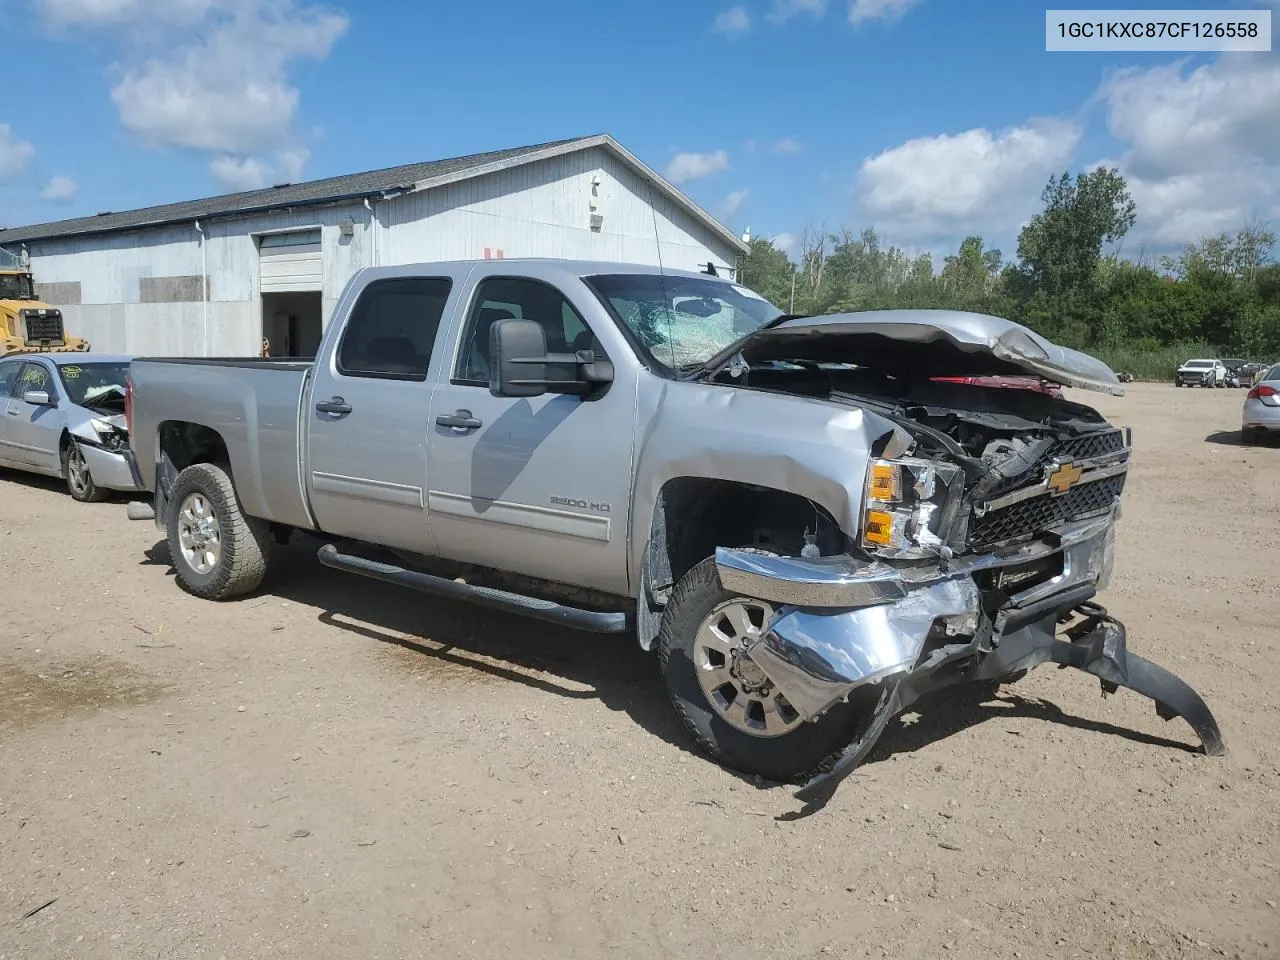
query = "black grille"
x=46 y=328
x=1087 y=447
x=1030 y=517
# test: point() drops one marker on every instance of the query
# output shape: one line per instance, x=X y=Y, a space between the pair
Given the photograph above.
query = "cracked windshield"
x=683 y=322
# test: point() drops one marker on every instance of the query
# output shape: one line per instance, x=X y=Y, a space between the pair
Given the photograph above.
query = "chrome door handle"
x=460 y=420
x=14 y=413
x=334 y=405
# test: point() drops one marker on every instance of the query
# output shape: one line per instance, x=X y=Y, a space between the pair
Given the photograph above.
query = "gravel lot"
x=334 y=768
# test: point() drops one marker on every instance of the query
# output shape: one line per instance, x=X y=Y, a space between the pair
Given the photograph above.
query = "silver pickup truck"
x=813 y=521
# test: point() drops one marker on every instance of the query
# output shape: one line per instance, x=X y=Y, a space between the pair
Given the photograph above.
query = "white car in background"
x=1201 y=373
x=1261 y=414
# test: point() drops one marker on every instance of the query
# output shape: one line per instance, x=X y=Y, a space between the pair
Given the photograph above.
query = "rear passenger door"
x=366 y=459
x=8 y=378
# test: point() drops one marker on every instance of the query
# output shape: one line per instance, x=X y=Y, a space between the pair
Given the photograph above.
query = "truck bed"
x=252 y=404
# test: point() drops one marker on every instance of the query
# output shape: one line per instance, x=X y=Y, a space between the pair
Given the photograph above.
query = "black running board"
x=591 y=621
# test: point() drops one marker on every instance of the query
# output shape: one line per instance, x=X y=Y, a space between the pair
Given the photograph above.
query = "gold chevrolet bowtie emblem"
x=1064 y=478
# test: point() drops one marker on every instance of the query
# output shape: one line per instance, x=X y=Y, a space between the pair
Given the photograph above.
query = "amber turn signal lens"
x=878 y=528
x=884 y=483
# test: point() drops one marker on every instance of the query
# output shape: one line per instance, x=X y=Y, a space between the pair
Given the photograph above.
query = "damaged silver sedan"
x=63 y=415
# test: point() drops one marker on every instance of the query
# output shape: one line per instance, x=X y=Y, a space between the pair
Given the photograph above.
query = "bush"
x=1147 y=360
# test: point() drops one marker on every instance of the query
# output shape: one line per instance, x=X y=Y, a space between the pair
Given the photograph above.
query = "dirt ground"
x=334 y=768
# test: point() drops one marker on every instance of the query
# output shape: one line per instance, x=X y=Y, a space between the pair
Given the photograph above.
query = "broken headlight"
x=908 y=508
x=112 y=438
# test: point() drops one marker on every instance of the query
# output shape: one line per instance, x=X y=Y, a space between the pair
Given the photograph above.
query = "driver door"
x=540 y=485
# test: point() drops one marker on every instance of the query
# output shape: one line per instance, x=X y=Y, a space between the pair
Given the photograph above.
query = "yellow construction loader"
x=28 y=325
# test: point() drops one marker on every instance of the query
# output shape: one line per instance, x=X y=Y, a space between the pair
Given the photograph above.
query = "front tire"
x=217 y=551
x=735 y=717
x=79 y=480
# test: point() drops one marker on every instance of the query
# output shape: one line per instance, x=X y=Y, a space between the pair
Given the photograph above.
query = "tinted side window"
x=512 y=298
x=8 y=378
x=392 y=328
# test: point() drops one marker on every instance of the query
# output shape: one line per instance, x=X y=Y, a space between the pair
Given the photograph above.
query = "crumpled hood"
x=931 y=343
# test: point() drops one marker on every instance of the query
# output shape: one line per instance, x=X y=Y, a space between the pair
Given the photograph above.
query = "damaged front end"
x=980 y=551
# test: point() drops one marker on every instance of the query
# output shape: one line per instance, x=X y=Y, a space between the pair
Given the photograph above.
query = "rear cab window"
x=391 y=332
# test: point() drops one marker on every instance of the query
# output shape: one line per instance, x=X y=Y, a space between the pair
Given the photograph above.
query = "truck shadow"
x=459 y=636
x=582 y=666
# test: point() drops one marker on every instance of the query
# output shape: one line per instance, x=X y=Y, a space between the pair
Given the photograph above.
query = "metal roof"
x=391 y=181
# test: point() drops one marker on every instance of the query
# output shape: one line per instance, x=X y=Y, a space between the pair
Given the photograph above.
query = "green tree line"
x=1218 y=297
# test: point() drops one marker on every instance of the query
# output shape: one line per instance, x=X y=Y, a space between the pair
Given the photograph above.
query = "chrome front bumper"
x=843 y=623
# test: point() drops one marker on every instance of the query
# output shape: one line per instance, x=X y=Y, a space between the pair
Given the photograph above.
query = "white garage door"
x=291 y=262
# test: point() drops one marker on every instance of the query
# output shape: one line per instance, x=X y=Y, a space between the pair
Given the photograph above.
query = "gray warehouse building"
x=215 y=277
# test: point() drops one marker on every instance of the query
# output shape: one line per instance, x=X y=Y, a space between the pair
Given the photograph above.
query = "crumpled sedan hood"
x=931 y=343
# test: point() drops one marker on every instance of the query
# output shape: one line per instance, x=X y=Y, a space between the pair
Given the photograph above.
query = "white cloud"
x=733 y=203
x=694 y=166
x=861 y=11
x=82 y=13
x=59 y=188
x=788 y=243
x=733 y=22
x=254 y=173
x=1202 y=147
x=955 y=184
x=787 y=145
x=784 y=10
x=208 y=75
x=15 y=154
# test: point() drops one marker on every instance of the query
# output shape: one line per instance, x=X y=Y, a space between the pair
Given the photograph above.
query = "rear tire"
x=79 y=480
x=217 y=551
x=806 y=749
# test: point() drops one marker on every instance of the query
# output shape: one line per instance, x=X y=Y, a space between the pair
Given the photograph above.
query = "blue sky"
x=928 y=119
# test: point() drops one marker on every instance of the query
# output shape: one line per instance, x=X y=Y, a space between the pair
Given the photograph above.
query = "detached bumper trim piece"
x=1097 y=644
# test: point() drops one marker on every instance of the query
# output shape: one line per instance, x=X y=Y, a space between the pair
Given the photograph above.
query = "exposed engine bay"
x=1030 y=460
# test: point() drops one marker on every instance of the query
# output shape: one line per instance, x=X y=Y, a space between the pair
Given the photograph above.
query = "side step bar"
x=589 y=620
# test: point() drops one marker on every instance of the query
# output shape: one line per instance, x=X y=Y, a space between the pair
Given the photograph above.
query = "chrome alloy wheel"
x=199 y=534
x=77 y=470
x=731 y=681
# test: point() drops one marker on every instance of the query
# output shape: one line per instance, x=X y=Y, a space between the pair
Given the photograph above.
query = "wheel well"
x=184 y=444
x=693 y=516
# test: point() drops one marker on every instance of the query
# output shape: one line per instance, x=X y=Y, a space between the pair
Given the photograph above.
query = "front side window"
x=682 y=322
x=98 y=386
x=514 y=298
x=392 y=328
x=35 y=376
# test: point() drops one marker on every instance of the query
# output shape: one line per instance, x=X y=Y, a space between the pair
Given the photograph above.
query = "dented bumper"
x=843 y=624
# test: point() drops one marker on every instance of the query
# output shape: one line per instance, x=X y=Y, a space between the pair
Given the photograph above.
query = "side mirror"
x=38 y=398
x=517 y=359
